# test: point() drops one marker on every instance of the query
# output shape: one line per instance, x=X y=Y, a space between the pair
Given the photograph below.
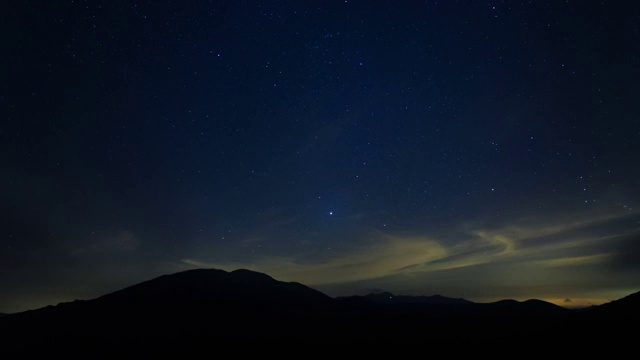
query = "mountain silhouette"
x=211 y=286
x=240 y=305
x=389 y=298
x=208 y=307
x=533 y=307
x=627 y=308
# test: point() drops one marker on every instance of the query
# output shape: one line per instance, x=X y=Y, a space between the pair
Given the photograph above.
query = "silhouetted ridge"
x=389 y=298
x=626 y=308
x=204 y=302
x=240 y=287
x=531 y=306
x=541 y=307
x=506 y=302
x=216 y=308
x=248 y=275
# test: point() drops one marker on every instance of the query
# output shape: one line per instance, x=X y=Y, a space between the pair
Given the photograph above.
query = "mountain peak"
x=215 y=286
x=211 y=305
x=249 y=275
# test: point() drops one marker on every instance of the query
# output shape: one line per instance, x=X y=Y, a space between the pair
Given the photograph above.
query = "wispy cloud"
x=576 y=260
x=390 y=256
x=520 y=247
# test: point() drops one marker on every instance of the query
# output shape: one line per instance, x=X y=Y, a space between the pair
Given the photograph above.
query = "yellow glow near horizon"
x=519 y=256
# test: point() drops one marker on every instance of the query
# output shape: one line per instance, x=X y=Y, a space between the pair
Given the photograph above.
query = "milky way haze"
x=482 y=150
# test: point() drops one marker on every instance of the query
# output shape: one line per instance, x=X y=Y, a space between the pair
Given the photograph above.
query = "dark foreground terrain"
x=218 y=308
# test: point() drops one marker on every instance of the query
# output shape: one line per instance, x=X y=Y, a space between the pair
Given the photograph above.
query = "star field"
x=483 y=150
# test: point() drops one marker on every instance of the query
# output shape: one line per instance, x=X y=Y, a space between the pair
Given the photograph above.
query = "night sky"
x=476 y=149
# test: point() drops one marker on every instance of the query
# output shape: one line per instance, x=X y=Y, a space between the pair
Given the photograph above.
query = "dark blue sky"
x=478 y=149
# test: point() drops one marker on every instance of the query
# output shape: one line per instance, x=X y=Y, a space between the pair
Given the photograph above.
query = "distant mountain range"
x=205 y=307
x=389 y=298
